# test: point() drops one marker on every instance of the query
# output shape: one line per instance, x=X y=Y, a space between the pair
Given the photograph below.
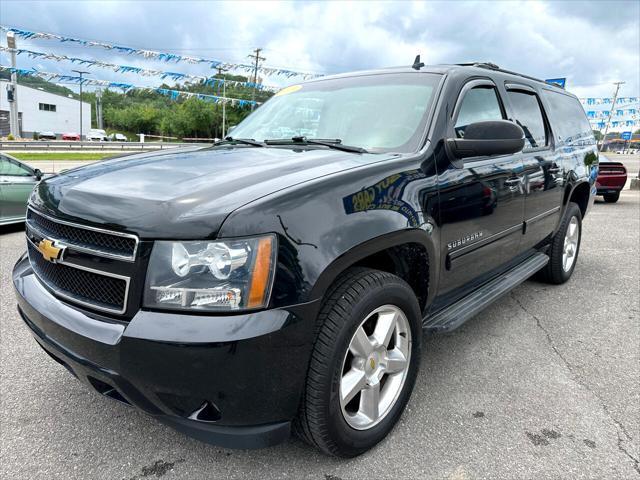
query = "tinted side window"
x=479 y=104
x=528 y=115
x=568 y=119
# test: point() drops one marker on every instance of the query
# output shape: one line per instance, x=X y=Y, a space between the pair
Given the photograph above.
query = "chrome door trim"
x=540 y=216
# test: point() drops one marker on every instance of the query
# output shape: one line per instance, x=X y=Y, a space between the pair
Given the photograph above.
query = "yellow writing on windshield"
x=288 y=90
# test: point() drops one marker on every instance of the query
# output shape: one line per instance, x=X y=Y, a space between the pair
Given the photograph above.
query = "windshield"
x=379 y=113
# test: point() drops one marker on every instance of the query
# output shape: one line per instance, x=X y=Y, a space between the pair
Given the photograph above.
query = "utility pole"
x=81 y=72
x=99 y=108
x=221 y=71
x=606 y=128
x=258 y=58
x=12 y=91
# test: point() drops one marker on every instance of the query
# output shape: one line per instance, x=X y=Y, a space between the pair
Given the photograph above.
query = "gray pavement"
x=543 y=384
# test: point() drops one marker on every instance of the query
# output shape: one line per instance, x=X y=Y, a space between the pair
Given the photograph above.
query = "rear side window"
x=527 y=112
x=479 y=104
x=568 y=119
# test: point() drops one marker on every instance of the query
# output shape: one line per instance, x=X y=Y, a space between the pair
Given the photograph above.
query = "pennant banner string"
x=631 y=113
x=600 y=124
x=161 y=56
x=608 y=101
x=137 y=70
x=173 y=94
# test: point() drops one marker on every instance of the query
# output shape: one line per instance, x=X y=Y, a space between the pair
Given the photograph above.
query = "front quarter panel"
x=328 y=224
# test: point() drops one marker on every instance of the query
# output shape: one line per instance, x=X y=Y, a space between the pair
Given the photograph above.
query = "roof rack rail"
x=493 y=66
x=490 y=65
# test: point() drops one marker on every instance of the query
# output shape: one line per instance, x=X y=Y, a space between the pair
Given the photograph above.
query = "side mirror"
x=495 y=137
x=37 y=173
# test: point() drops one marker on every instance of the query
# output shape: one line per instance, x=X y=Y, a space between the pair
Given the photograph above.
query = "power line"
x=163 y=74
x=172 y=93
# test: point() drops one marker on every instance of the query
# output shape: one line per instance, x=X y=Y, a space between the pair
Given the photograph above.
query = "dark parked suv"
x=282 y=279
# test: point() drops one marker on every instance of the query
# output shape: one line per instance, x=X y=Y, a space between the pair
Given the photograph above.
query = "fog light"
x=198 y=297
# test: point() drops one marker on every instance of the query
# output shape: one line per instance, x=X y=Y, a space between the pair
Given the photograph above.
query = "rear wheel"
x=611 y=197
x=564 y=248
x=363 y=365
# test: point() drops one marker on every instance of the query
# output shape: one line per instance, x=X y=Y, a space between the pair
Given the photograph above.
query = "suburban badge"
x=464 y=240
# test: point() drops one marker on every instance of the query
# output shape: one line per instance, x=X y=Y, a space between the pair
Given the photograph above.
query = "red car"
x=71 y=136
x=612 y=177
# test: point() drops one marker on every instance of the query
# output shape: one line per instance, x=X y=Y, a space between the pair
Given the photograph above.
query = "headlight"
x=211 y=275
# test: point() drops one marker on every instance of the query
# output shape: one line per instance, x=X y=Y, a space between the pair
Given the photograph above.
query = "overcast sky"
x=592 y=43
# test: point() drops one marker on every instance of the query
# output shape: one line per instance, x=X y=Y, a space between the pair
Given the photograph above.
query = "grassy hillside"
x=149 y=112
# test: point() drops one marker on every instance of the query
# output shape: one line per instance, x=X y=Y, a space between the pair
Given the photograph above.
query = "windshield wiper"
x=334 y=143
x=243 y=141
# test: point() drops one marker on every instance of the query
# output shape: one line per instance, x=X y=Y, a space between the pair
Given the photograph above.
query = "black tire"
x=554 y=272
x=611 y=197
x=354 y=295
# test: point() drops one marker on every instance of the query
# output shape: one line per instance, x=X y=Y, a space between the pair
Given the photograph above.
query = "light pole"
x=14 y=124
x=613 y=105
x=221 y=71
x=81 y=72
x=99 y=107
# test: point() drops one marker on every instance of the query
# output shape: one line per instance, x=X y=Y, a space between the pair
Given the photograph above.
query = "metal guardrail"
x=67 y=145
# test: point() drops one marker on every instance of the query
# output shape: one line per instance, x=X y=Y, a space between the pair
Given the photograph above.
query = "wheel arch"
x=409 y=254
x=579 y=194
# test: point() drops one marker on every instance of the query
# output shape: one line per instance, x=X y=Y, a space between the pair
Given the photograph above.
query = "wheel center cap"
x=371 y=363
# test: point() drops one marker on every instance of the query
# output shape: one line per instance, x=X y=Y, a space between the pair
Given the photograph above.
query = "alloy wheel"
x=375 y=367
x=571 y=240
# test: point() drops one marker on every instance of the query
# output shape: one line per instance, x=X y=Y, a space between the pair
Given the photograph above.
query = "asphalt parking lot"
x=543 y=384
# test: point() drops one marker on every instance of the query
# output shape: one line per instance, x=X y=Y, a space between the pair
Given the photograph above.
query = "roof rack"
x=488 y=65
x=493 y=66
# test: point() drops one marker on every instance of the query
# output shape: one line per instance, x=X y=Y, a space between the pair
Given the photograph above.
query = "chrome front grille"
x=104 y=243
x=90 y=272
x=80 y=284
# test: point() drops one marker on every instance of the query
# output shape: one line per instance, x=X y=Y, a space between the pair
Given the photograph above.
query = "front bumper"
x=248 y=370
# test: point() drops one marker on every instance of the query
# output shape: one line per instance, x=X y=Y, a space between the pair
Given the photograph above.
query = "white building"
x=40 y=111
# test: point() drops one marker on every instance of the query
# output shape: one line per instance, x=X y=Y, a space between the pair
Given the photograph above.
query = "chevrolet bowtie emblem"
x=49 y=251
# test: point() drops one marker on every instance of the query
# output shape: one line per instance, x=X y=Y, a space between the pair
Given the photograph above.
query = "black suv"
x=282 y=278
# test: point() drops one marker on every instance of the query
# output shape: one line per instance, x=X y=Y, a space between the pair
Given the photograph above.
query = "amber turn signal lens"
x=261 y=274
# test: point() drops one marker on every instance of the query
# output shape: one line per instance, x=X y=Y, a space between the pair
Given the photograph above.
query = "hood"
x=184 y=194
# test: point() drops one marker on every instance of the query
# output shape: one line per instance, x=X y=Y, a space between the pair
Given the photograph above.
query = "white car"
x=118 y=137
x=46 y=136
x=97 y=135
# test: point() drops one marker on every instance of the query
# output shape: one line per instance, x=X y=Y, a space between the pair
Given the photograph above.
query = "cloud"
x=591 y=43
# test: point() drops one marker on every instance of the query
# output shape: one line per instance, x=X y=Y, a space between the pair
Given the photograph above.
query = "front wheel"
x=364 y=363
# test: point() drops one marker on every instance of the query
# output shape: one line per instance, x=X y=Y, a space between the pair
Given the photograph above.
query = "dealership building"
x=40 y=111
